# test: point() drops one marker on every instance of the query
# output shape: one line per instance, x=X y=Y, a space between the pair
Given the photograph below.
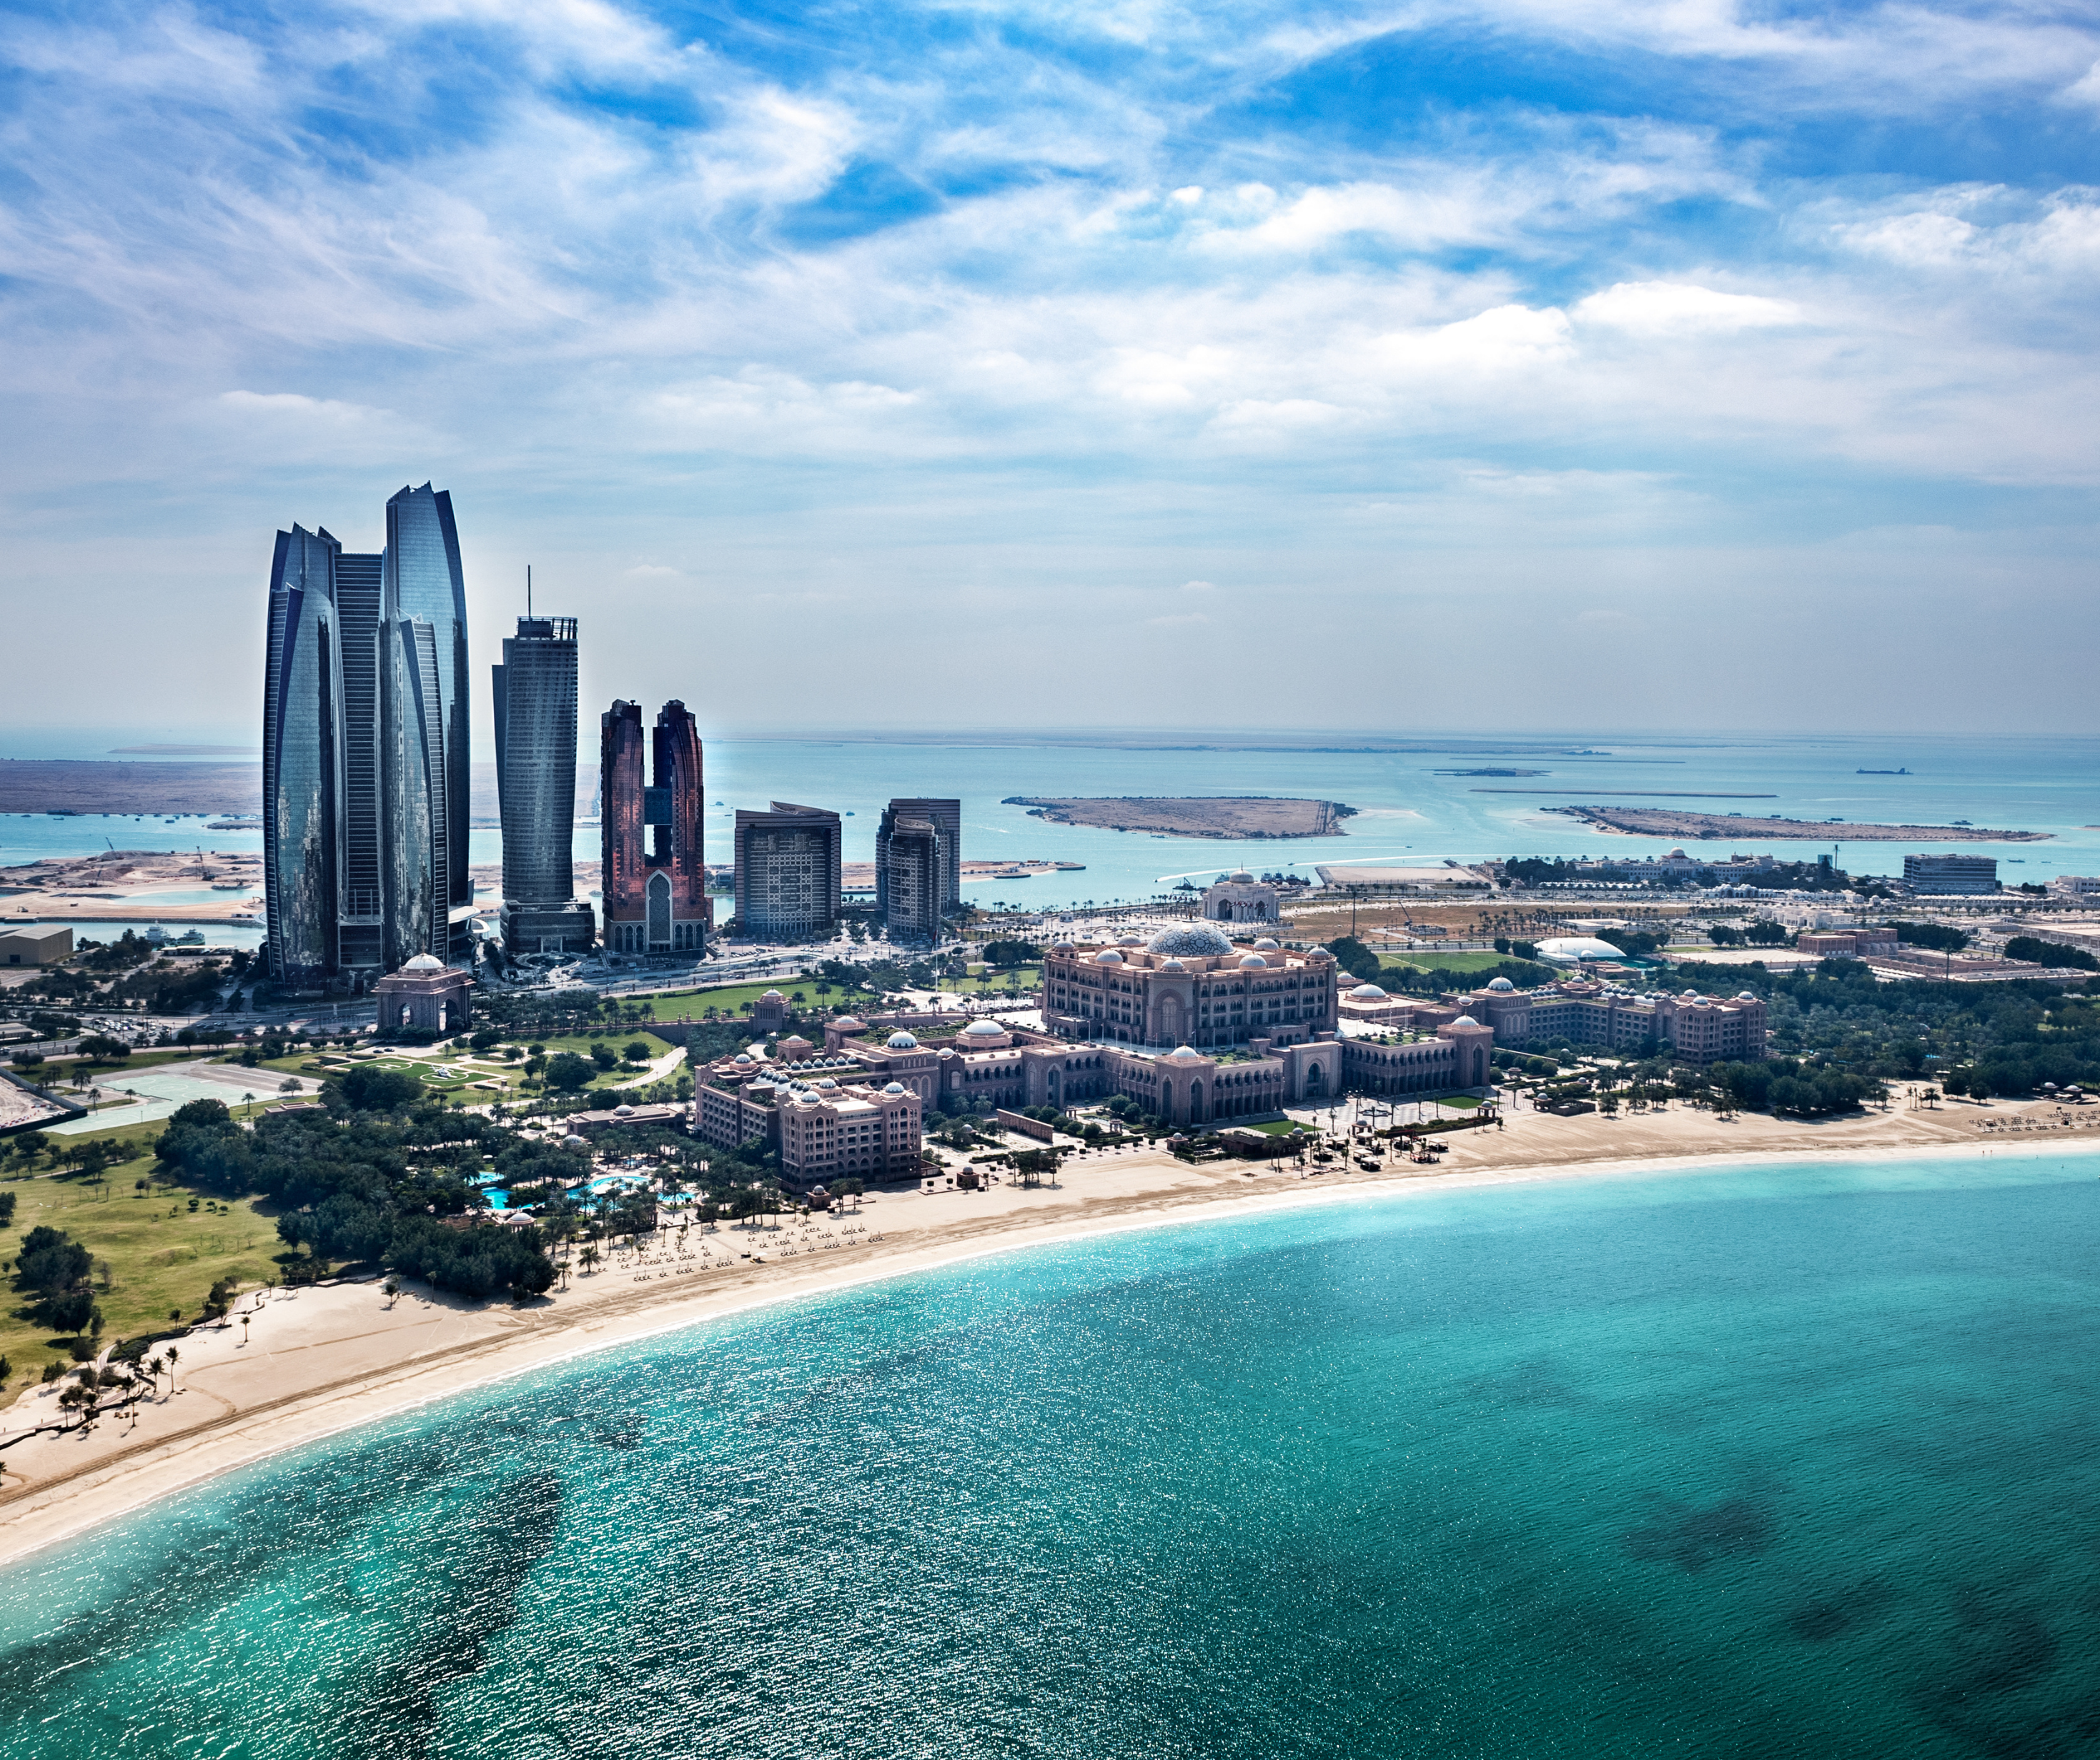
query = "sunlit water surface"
x=1784 y=1461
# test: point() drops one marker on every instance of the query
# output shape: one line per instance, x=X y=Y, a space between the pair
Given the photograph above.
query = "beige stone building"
x=1188 y=985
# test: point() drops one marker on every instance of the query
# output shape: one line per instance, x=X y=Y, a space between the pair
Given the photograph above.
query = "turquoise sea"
x=1412 y=807
x=1789 y=1460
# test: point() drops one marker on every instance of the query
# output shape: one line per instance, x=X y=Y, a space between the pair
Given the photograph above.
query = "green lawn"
x=680 y=1005
x=157 y=1261
x=1422 y=961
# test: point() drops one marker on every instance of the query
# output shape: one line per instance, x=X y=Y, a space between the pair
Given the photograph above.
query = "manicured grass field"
x=157 y=1260
x=1422 y=960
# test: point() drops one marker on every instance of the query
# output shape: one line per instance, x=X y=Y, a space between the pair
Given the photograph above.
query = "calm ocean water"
x=1779 y=1461
x=1409 y=812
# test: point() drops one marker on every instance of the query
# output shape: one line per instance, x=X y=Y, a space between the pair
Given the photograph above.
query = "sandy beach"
x=312 y=1363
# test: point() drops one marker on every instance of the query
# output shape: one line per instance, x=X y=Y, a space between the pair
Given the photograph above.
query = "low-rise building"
x=1951 y=874
x=1848 y=943
x=35 y=944
x=426 y=994
x=832 y=1130
x=1239 y=898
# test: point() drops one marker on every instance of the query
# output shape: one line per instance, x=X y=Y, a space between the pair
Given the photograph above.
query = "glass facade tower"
x=358 y=604
x=534 y=697
x=365 y=749
x=428 y=901
x=302 y=786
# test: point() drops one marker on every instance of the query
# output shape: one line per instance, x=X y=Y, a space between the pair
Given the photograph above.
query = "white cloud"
x=1670 y=307
x=1505 y=339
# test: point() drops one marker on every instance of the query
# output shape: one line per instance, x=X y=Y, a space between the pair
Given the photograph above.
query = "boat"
x=1881 y=772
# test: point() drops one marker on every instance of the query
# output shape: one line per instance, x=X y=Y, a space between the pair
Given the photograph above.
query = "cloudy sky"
x=1450 y=364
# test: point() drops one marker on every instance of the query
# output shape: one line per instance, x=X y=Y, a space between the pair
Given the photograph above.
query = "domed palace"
x=1188 y=985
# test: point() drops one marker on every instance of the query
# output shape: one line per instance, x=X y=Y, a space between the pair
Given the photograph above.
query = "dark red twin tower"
x=654 y=888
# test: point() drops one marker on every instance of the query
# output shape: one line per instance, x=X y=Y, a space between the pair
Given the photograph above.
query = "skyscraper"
x=787 y=864
x=534 y=698
x=910 y=873
x=358 y=597
x=366 y=749
x=948 y=816
x=302 y=792
x=654 y=892
x=424 y=745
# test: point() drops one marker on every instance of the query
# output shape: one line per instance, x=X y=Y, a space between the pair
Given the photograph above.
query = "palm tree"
x=174 y=1356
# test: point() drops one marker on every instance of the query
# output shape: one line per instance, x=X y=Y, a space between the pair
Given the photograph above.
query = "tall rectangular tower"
x=534 y=698
x=787 y=872
x=654 y=879
x=910 y=873
x=302 y=790
x=947 y=817
x=358 y=600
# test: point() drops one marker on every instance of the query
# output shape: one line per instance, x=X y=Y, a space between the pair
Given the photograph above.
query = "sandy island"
x=1194 y=815
x=316 y=1361
x=1682 y=824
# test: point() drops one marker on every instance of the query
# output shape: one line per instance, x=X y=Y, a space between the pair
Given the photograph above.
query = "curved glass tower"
x=302 y=788
x=429 y=899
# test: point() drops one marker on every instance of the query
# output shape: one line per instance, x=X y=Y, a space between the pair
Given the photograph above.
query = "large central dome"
x=1190 y=941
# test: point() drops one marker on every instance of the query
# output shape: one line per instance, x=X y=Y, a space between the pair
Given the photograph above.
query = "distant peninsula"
x=1197 y=815
x=1668 y=822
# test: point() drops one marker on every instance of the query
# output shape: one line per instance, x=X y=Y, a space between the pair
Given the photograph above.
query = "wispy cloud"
x=1062 y=296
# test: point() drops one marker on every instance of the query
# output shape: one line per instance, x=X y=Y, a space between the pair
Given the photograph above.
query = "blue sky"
x=1445 y=364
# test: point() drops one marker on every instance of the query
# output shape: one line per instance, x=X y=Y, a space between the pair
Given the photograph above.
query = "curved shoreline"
x=425 y=1347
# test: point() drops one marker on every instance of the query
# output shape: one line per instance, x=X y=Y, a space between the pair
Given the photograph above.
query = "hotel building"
x=788 y=872
x=1188 y=985
x=653 y=882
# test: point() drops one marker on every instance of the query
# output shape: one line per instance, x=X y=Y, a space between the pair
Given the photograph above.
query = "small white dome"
x=1060 y=946
x=1132 y=940
x=1464 y=1020
x=827 y=1082
x=1500 y=986
x=1367 y=992
x=1111 y=957
x=805 y=1098
x=1172 y=965
x=623 y=1111
x=1240 y=877
x=574 y=1142
x=1746 y=995
x=1266 y=945
x=984 y=1029
x=895 y=1087
x=772 y=995
x=1253 y=962
x=851 y=1023
x=1185 y=1054
x=901 y=1041
x=742 y=1057
x=424 y=962
x=947 y=1051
